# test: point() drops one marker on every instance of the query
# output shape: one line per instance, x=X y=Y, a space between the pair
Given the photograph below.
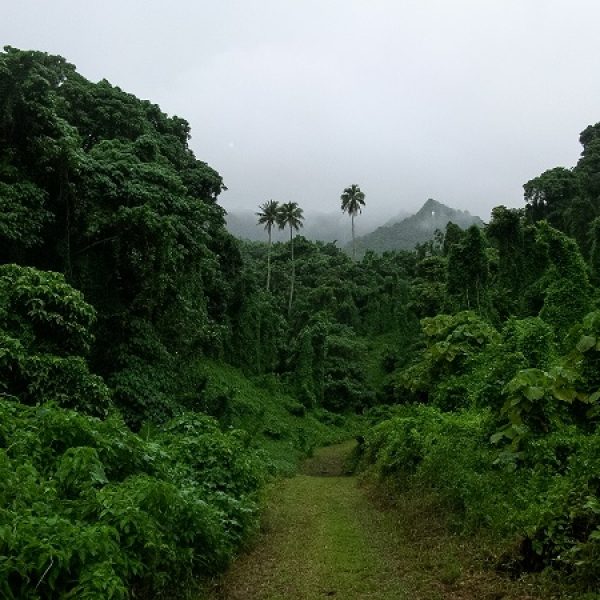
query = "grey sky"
x=462 y=101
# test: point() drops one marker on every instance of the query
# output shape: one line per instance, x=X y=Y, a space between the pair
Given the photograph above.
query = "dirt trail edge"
x=322 y=538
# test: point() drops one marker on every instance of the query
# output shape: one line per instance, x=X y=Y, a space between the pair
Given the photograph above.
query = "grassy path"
x=322 y=538
x=328 y=536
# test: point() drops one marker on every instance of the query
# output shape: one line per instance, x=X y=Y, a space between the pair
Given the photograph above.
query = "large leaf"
x=534 y=392
x=586 y=342
x=565 y=394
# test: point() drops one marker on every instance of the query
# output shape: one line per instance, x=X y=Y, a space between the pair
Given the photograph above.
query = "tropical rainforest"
x=156 y=372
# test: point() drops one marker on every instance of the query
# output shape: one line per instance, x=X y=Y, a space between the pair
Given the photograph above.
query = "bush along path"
x=326 y=535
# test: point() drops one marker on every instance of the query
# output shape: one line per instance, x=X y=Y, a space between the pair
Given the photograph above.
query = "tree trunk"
x=293 y=275
x=353 y=240
x=269 y=263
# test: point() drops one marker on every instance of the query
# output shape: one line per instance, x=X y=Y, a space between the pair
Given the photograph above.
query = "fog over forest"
x=459 y=101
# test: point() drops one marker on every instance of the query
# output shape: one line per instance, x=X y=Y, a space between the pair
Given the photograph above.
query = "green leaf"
x=593 y=412
x=565 y=394
x=494 y=439
x=586 y=342
x=594 y=397
x=595 y=535
x=534 y=392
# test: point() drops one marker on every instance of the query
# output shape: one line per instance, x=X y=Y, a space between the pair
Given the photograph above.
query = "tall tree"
x=505 y=231
x=352 y=201
x=588 y=166
x=290 y=215
x=103 y=187
x=468 y=274
x=595 y=252
x=268 y=217
x=550 y=195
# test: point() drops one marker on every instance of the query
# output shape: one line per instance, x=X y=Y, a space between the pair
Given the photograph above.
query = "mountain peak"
x=416 y=229
x=431 y=204
x=434 y=208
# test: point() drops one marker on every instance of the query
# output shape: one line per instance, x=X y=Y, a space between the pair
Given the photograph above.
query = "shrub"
x=91 y=510
x=548 y=495
x=44 y=333
x=447 y=452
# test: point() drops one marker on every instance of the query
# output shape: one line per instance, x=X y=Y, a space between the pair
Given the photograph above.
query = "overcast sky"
x=462 y=101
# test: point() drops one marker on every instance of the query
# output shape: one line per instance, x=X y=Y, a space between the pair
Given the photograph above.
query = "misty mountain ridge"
x=381 y=234
x=416 y=229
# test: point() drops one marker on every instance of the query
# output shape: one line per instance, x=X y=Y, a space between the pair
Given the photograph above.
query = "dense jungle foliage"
x=155 y=371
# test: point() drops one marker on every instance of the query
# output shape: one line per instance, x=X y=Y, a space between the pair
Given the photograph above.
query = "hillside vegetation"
x=156 y=372
x=416 y=229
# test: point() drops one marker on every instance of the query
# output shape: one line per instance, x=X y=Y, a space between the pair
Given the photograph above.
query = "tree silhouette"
x=290 y=215
x=352 y=201
x=268 y=217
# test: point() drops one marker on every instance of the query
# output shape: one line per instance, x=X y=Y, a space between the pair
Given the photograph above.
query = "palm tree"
x=290 y=214
x=268 y=217
x=352 y=201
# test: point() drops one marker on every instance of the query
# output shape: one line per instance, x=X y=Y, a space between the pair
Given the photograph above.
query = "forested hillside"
x=156 y=372
x=416 y=229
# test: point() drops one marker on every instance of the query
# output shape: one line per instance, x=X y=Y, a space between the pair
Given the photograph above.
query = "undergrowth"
x=90 y=509
x=275 y=421
x=542 y=504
